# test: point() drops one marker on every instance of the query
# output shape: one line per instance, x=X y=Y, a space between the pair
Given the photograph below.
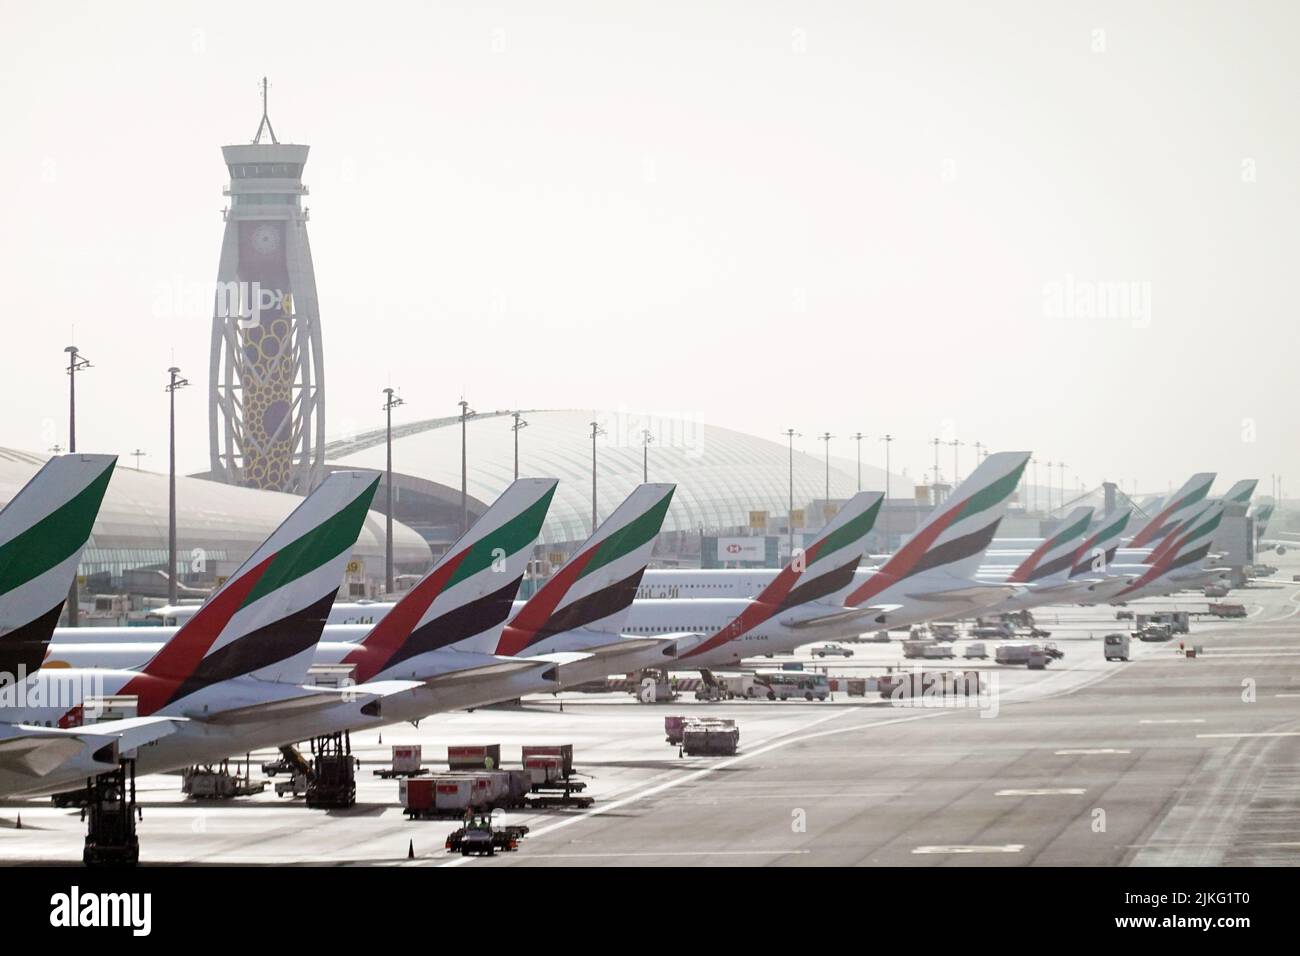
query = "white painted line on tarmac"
x=1043 y=792
x=1286 y=695
x=1175 y=720
x=1085 y=752
x=972 y=848
x=1277 y=733
x=653 y=853
x=776 y=741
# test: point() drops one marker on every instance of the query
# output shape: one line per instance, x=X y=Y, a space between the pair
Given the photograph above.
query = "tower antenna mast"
x=266 y=120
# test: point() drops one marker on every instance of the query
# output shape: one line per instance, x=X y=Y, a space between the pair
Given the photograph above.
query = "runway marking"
x=1042 y=792
x=775 y=742
x=652 y=853
x=1286 y=695
x=1082 y=752
x=1175 y=720
x=1275 y=733
x=971 y=848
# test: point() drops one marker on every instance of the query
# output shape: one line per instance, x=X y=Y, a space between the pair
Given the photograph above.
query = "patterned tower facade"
x=266 y=391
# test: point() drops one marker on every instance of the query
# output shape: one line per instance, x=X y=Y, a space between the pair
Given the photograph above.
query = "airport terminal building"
x=728 y=482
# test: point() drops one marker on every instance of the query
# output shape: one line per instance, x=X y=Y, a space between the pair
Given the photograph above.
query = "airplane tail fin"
x=1194 y=534
x=1056 y=553
x=1098 y=548
x=823 y=569
x=466 y=597
x=1263 y=513
x=958 y=532
x=827 y=565
x=266 y=620
x=1177 y=508
x=595 y=589
x=43 y=531
x=1241 y=492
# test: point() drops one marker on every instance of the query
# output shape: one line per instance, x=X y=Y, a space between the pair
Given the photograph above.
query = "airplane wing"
x=841 y=616
x=497 y=669
x=274 y=709
x=972 y=593
x=671 y=644
x=37 y=751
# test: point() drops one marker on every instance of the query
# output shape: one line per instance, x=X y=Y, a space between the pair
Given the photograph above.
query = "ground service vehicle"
x=782 y=685
x=975 y=651
x=824 y=650
x=1115 y=647
x=1227 y=610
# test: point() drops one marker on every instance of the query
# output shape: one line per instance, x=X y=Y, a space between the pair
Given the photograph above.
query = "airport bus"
x=782 y=685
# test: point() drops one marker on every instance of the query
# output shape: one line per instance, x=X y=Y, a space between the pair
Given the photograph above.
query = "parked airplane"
x=801 y=604
x=233 y=675
x=931 y=577
x=1178 y=508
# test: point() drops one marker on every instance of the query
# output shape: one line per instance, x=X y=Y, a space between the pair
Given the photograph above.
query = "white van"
x=1115 y=647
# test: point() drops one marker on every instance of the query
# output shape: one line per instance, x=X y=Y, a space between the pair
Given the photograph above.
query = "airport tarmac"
x=1163 y=760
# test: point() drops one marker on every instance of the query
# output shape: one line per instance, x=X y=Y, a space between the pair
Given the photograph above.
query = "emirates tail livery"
x=430 y=651
x=583 y=607
x=803 y=603
x=43 y=531
x=1045 y=573
x=1179 y=507
x=932 y=576
x=241 y=660
x=1177 y=563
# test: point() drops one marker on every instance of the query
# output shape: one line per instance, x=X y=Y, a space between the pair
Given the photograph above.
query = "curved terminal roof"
x=721 y=475
x=227 y=521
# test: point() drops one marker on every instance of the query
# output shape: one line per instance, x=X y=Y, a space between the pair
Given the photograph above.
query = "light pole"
x=790 y=434
x=934 y=490
x=138 y=454
x=75 y=364
x=1034 y=502
x=466 y=413
x=646 y=439
x=1048 y=510
x=956 y=473
x=857 y=437
x=826 y=437
x=518 y=424
x=176 y=382
x=887 y=439
x=1061 y=466
x=978 y=457
x=596 y=431
x=391 y=401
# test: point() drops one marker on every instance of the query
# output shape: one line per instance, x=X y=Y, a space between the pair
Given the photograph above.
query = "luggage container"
x=452 y=794
x=673 y=729
x=416 y=795
x=710 y=738
x=407 y=762
x=562 y=751
x=1014 y=653
x=479 y=757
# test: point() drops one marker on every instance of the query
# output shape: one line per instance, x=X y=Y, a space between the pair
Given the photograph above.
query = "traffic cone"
x=410 y=850
x=19 y=824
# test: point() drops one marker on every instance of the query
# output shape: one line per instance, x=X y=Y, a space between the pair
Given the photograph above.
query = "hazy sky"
x=833 y=216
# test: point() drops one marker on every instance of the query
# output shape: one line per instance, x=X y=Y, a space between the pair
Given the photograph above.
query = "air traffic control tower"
x=266 y=408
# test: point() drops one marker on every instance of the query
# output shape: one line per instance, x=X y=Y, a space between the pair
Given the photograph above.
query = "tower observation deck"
x=266 y=408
